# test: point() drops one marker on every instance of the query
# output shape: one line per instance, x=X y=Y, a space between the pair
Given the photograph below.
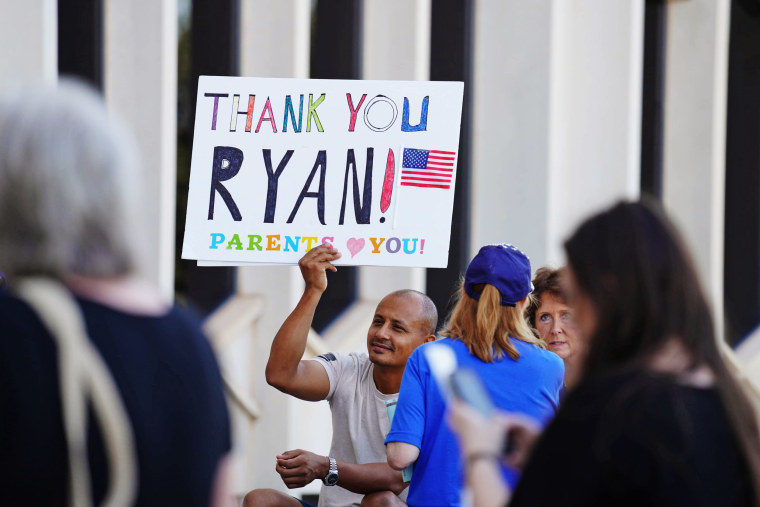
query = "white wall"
x=695 y=134
x=140 y=85
x=557 y=117
x=274 y=43
x=28 y=41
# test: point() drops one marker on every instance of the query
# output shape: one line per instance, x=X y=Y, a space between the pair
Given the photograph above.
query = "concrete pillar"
x=28 y=41
x=696 y=79
x=396 y=46
x=275 y=38
x=557 y=117
x=140 y=84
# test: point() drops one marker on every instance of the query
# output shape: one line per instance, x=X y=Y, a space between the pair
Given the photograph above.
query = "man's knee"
x=267 y=498
x=381 y=499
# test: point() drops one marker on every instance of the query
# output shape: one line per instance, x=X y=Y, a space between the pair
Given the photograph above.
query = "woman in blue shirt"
x=488 y=333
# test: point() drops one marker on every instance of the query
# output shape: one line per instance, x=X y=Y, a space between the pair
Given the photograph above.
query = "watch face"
x=332 y=479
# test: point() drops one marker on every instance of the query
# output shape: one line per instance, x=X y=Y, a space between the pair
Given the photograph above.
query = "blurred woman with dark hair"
x=657 y=418
x=553 y=320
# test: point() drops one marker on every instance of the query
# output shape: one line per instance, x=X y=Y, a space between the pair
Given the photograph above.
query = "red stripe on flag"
x=439 y=165
x=433 y=157
x=443 y=152
x=417 y=178
x=423 y=185
x=440 y=174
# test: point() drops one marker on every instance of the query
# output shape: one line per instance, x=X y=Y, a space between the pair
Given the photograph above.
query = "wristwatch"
x=331 y=479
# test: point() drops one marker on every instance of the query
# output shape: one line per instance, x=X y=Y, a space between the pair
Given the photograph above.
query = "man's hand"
x=298 y=467
x=314 y=266
x=481 y=436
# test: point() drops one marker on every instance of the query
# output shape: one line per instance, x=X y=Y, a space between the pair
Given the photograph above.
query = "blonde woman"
x=488 y=333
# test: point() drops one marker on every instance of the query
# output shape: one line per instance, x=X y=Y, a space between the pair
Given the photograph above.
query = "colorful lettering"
x=235 y=112
x=394 y=249
x=216 y=238
x=290 y=244
x=313 y=112
x=216 y=106
x=352 y=121
x=375 y=244
x=269 y=118
x=310 y=240
x=254 y=241
x=289 y=110
x=273 y=241
x=422 y=125
x=235 y=241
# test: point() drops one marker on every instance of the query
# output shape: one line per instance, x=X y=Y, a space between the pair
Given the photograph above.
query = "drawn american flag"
x=427 y=168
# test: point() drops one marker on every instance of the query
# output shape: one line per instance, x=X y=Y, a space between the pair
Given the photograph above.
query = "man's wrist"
x=331 y=478
x=324 y=467
x=312 y=292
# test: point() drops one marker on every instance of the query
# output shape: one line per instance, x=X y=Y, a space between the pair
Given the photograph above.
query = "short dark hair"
x=546 y=281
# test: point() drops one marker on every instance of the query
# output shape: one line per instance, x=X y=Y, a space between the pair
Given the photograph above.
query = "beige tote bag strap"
x=83 y=376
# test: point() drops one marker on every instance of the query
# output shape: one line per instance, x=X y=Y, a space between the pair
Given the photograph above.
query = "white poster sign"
x=280 y=166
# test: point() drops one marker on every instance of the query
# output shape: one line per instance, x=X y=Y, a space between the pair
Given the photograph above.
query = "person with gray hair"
x=110 y=394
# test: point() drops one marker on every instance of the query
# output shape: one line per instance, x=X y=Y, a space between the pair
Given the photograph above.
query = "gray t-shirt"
x=359 y=419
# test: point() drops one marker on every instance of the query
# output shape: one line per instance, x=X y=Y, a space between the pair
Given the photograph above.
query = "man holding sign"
x=357 y=387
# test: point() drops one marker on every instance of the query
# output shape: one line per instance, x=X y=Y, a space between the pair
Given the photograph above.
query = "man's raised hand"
x=314 y=265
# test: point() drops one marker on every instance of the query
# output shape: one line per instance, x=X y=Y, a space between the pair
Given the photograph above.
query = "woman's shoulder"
x=636 y=398
x=533 y=352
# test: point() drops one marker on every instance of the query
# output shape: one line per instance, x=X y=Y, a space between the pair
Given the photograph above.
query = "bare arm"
x=482 y=441
x=285 y=370
x=369 y=477
x=298 y=468
x=487 y=486
x=401 y=455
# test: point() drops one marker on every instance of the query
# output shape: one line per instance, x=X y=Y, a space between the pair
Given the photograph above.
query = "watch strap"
x=332 y=472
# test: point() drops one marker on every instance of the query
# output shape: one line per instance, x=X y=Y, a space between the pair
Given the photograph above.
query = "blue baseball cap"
x=503 y=266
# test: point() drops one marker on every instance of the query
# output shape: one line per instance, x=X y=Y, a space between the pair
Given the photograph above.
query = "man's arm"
x=401 y=454
x=298 y=468
x=285 y=370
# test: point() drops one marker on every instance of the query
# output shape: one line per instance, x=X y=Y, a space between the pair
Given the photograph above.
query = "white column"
x=28 y=41
x=695 y=133
x=557 y=117
x=510 y=131
x=396 y=39
x=141 y=87
x=396 y=46
x=275 y=38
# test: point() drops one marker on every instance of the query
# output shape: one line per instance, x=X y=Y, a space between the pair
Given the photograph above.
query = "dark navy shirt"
x=169 y=381
x=637 y=438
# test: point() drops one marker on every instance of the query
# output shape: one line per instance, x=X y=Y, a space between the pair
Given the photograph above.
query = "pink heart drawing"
x=355 y=245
